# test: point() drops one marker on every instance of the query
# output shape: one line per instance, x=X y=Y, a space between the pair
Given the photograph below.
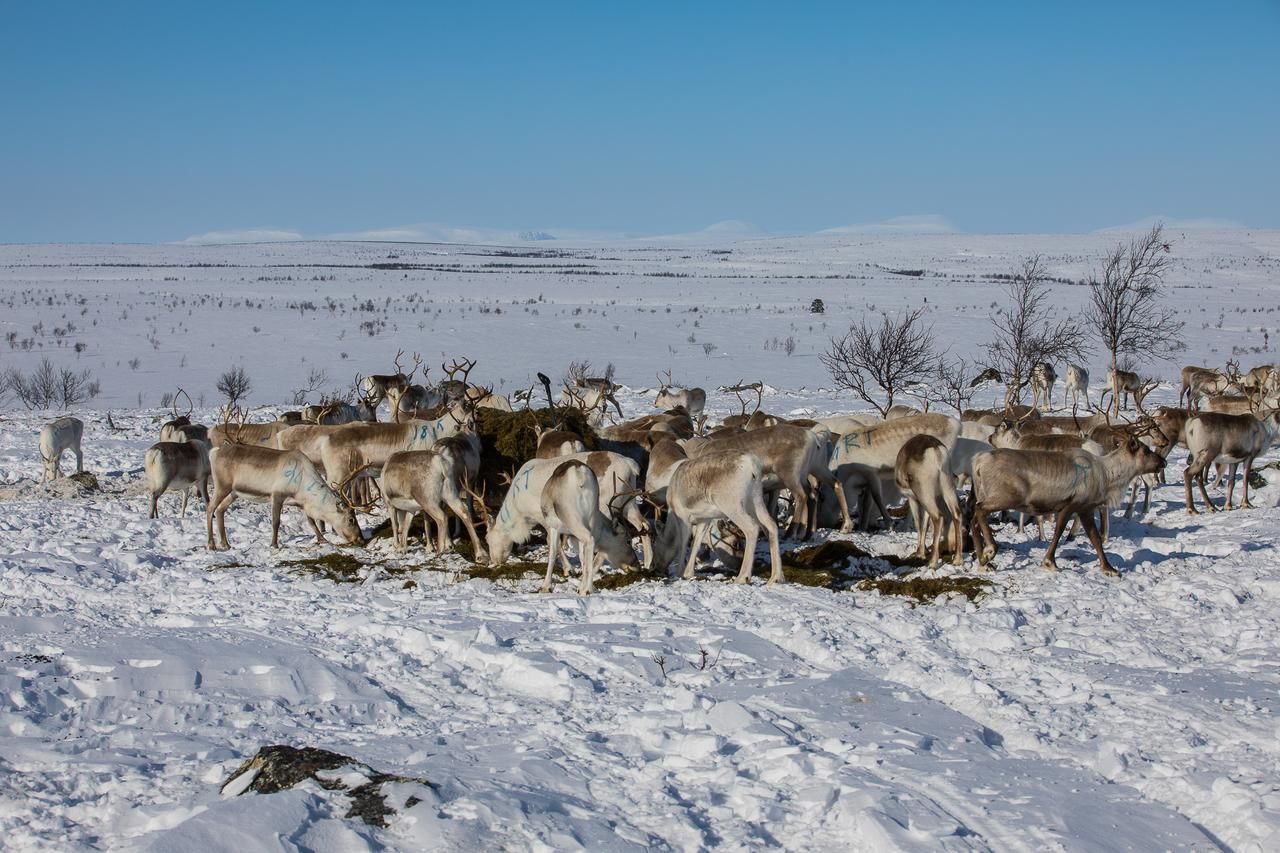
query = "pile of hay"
x=508 y=441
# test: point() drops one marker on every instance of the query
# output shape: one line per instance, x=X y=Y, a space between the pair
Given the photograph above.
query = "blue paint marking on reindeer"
x=293 y=473
x=424 y=431
x=1079 y=473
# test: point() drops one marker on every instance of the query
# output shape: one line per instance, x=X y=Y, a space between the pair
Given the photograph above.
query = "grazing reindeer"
x=692 y=400
x=1077 y=385
x=431 y=482
x=521 y=511
x=344 y=452
x=792 y=457
x=923 y=473
x=1042 y=379
x=1199 y=382
x=1039 y=482
x=570 y=506
x=174 y=465
x=278 y=476
x=56 y=437
x=719 y=485
x=875 y=448
x=1213 y=437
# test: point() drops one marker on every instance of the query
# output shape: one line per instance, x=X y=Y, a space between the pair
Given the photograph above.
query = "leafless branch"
x=891 y=356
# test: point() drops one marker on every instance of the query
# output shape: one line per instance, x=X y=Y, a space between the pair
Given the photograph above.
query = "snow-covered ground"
x=1059 y=711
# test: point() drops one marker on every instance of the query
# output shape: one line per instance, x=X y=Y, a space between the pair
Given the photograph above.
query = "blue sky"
x=154 y=122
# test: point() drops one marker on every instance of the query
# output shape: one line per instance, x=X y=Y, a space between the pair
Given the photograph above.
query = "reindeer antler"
x=341 y=490
x=190 y=406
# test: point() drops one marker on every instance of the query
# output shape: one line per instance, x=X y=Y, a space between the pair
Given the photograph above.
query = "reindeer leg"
x=460 y=509
x=984 y=543
x=699 y=533
x=222 y=506
x=936 y=521
x=186 y=493
x=1086 y=518
x=1049 y=562
x=917 y=518
x=587 y=557
x=1204 y=492
x=553 y=548
x=750 y=534
x=1248 y=468
x=1231 y=484
x=277 y=504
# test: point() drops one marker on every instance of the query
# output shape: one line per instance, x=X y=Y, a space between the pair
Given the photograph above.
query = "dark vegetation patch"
x=279 y=768
x=923 y=590
x=341 y=567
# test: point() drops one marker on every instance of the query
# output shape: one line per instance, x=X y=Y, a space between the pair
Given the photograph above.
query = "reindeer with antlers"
x=670 y=396
x=279 y=476
x=377 y=387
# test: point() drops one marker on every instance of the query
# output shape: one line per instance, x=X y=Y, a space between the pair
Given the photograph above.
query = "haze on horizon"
x=155 y=123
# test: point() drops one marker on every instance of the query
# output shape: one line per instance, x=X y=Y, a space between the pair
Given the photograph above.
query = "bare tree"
x=75 y=388
x=316 y=377
x=1127 y=304
x=955 y=384
x=892 y=356
x=234 y=384
x=47 y=386
x=1025 y=333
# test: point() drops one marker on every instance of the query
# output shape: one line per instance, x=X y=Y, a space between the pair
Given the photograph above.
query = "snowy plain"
x=1059 y=711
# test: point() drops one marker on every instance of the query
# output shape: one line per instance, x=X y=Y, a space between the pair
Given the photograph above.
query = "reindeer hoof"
x=1110 y=572
x=740 y=579
x=1049 y=565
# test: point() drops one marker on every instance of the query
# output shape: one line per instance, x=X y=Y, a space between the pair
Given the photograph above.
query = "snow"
x=1061 y=711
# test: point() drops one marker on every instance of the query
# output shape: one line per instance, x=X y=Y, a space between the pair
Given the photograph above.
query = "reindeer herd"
x=671 y=483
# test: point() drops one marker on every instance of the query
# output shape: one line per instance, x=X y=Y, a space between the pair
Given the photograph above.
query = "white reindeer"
x=179 y=466
x=56 y=438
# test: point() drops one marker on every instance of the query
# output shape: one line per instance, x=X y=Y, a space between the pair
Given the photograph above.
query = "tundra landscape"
x=888 y=691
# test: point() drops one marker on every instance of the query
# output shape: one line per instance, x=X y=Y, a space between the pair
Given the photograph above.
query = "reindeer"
x=278 y=476
x=1123 y=383
x=923 y=474
x=180 y=427
x=792 y=456
x=901 y=410
x=344 y=452
x=1199 y=382
x=1213 y=437
x=430 y=481
x=377 y=387
x=570 y=507
x=1042 y=379
x=234 y=430
x=521 y=510
x=692 y=400
x=876 y=447
x=553 y=442
x=742 y=419
x=1259 y=381
x=177 y=465
x=56 y=437
x=1076 y=385
x=718 y=485
x=1039 y=482
x=338 y=412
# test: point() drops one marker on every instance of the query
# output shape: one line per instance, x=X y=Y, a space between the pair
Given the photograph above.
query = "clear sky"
x=157 y=121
